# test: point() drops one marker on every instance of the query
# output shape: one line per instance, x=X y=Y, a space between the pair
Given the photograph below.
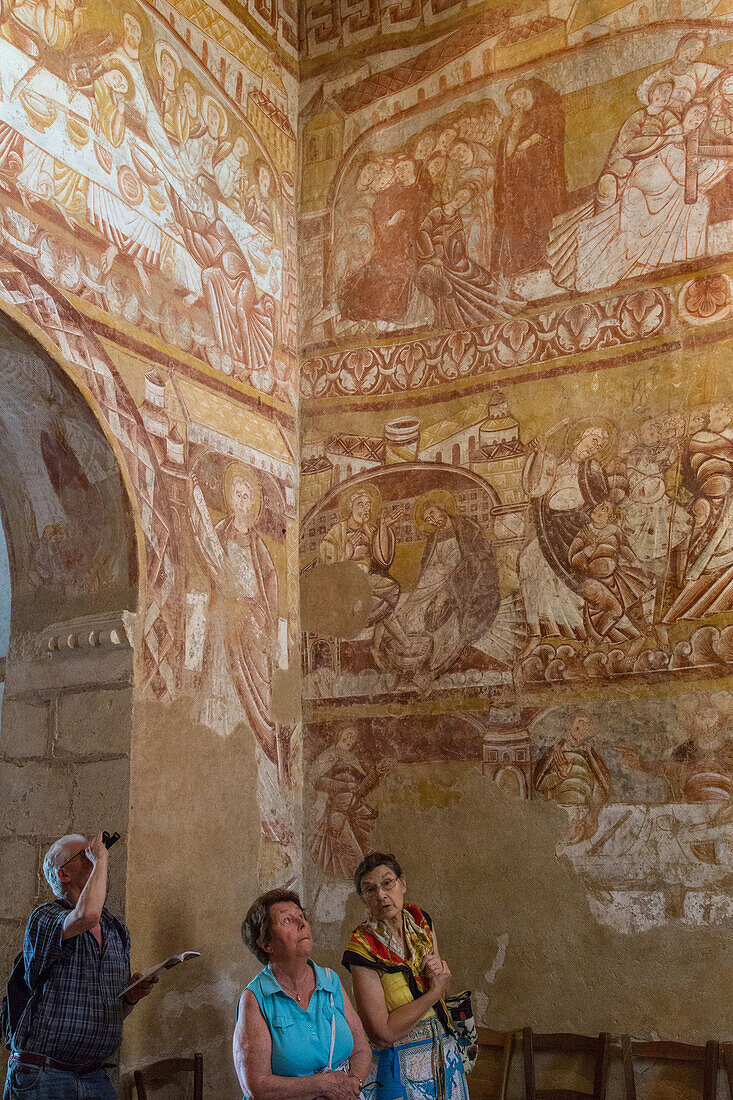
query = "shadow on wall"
x=72 y=563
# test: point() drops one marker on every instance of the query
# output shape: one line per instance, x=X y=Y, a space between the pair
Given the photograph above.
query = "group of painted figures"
x=108 y=135
x=449 y=228
x=625 y=536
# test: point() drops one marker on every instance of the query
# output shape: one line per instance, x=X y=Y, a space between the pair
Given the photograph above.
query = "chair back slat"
x=165 y=1069
x=599 y=1046
x=666 y=1051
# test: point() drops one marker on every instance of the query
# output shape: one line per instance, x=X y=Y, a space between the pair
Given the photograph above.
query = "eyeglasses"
x=371 y=890
x=83 y=853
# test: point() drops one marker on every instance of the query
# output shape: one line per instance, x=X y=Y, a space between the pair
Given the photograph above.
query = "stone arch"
x=30 y=300
x=65 y=732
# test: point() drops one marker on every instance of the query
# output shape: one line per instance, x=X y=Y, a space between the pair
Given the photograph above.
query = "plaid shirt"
x=75 y=1015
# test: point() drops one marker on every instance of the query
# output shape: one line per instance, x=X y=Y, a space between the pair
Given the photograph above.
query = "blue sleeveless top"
x=301 y=1037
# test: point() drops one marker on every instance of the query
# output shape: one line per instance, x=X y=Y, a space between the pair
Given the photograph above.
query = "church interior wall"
x=399 y=362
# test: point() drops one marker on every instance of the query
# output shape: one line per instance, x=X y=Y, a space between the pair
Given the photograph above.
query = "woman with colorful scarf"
x=400 y=981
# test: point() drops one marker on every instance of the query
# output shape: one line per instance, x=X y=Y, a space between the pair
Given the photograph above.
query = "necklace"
x=296 y=991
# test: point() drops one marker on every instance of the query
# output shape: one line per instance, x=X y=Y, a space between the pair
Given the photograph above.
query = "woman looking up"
x=400 y=981
x=297 y=1035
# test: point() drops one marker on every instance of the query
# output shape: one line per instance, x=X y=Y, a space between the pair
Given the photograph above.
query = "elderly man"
x=77 y=962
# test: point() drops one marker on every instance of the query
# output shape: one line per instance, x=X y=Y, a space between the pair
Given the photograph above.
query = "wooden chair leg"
x=140 y=1086
x=628 y=1063
x=600 y=1078
x=710 y=1085
x=198 y=1077
x=726 y=1050
x=506 y=1065
x=528 y=1051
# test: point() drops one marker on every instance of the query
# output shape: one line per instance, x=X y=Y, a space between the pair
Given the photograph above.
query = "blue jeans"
x=43 y=1083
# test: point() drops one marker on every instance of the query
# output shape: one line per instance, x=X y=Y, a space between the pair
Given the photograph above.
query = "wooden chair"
x=490 y=1077
x=706 y=1055
x=562 y=1043
x=159 y=1073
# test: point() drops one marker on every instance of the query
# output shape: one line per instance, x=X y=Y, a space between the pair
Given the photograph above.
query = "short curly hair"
x=371 y=862
x=257 y=925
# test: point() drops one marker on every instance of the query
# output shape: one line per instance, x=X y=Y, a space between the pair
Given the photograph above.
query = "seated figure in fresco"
x=699 y=769
x=463 y=292
x=340 y=839
x=708 y=570
x=614 y=582
x=689 y=76
x=562 y=489
x=456 y=600
x=363 y=535
x=380 y=289
x=531 y=187
x=573 y=774
x=243 y=319
x=649 y=224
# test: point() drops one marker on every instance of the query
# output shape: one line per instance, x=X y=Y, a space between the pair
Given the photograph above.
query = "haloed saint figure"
x=241 y=646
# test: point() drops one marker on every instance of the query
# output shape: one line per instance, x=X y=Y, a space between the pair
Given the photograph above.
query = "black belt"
x=28 y=1059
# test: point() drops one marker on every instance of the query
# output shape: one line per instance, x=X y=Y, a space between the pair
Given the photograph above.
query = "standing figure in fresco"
x=341 y=836
x=473 y=167
x=463 y=293
x=531 y=187
x=654 y=522
x=244 y=322
x=690 y=77
x=364 y=536
x=614 y=583
x=125 y=228
x=708 y=572
x=258 y=209
x=380 y=289
x=699 y=769
x=573 y=774
x=456 y=599
x=169 y=98
x=241 y=648
x=562 y=489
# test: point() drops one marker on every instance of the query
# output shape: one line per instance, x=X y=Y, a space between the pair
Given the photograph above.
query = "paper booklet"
x=170 y=962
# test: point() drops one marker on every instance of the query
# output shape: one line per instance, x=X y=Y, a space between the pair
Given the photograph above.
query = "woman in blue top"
x=297 y=1035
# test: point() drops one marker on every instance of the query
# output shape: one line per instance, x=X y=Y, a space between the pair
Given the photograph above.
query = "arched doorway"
x=72 y=570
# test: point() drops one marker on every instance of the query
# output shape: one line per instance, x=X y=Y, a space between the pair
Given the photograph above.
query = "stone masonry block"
x=25 y=728
x=35 y=799
x=101 y=796
x=93 y=722
x=18 y=872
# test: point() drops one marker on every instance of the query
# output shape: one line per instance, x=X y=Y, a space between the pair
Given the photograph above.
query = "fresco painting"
x=483 y=202
x=132 y=184
x=516 y=422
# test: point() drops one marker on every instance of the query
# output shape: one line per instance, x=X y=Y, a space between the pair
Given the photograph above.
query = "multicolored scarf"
x=372 y=945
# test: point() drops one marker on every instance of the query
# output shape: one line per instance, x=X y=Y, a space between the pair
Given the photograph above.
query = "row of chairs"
x=709 y=1057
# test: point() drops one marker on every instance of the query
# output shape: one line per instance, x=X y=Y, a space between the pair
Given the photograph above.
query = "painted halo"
x=236 y=471
x=440 y=498
x=209 y=101
x=371 y=491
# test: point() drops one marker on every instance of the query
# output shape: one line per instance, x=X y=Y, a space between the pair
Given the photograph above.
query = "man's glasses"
x=83 y=852
x=371 y=890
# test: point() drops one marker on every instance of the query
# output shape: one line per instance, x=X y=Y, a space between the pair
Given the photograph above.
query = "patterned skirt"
x=424 y=1065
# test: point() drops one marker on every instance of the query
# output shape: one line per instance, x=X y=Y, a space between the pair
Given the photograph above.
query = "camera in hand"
x=108 y=840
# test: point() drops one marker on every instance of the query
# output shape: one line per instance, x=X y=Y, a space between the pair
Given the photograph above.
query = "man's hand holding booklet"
x=167 y=964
